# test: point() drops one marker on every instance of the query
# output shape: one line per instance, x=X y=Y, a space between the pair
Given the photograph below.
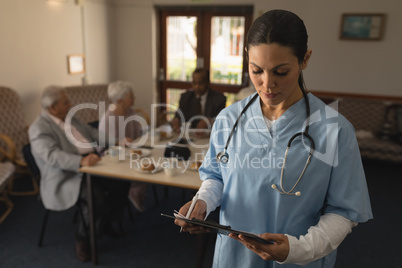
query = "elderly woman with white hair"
x=122 y=96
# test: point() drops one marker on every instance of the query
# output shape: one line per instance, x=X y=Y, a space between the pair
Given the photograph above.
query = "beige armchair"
x=13 y=125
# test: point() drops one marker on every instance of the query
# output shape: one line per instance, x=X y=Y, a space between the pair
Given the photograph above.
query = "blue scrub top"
x=334 y=181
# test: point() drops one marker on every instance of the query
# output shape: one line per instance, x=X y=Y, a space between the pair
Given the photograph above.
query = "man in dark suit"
x=200 y=105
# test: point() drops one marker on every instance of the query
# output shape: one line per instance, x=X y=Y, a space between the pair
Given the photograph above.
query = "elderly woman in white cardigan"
x=122 y=96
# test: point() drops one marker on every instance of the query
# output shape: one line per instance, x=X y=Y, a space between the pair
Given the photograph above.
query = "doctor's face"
x=274 y=71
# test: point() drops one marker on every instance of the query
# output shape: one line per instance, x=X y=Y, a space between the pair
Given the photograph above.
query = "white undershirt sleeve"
x=211 y=192
x=320 y=240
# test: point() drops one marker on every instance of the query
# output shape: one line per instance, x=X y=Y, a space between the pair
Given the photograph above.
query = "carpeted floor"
x=377 y=243
x=154 y=241
x=150 y=241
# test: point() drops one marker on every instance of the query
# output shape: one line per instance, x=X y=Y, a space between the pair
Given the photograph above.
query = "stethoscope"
x=223 y=157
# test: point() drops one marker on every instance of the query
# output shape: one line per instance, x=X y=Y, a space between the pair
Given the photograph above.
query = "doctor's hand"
x=277 y=252
x=199 y=212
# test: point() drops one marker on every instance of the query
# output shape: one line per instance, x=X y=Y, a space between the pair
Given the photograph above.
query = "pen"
x=190 y=210
x=146 y=147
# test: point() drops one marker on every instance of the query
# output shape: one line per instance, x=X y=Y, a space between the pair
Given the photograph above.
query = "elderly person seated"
x=61 y=144
x=118 y=122
x=199 y=105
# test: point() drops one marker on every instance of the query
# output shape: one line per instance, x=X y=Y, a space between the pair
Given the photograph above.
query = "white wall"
x=37 y=36
x=122 y=38
x=371 y=67
x=99 y=27
x=134 y=50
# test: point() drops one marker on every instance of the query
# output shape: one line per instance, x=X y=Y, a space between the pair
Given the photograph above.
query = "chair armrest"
x=9 y=151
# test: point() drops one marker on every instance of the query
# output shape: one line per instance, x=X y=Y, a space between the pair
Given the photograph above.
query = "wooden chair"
x=6 y=172
x=13 y=125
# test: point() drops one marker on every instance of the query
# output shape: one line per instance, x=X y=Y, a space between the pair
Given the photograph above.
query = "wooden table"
x=126 y=170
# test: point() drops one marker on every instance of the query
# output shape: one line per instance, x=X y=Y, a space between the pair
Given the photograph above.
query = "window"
x=227 y=43
x=202 y=36
x=181 y=43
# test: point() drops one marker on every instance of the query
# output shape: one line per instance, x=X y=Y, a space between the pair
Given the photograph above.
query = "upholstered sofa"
x=377 y=121
x=89 y=94
x=94 y=94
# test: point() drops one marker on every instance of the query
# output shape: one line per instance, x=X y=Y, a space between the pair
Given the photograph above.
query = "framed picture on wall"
x=76 y=63
x=362 y=26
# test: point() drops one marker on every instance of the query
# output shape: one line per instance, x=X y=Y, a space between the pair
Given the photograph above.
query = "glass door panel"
x=181 y=47
x=227 y=42
x=172 y=99
x=230 y=98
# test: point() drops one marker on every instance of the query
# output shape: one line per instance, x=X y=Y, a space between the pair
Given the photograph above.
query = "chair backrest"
x=30 y=160
x=12 y=119
x=94 y=94
x=144 y=114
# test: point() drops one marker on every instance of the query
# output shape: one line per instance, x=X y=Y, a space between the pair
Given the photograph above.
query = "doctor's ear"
x=306 y=59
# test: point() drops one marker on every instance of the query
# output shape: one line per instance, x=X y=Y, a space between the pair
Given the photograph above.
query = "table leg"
x=92 y=231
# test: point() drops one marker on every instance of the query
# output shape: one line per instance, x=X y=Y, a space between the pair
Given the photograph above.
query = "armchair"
x=13 y=125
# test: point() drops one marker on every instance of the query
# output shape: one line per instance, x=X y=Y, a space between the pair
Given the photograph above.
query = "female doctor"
x=281 y=163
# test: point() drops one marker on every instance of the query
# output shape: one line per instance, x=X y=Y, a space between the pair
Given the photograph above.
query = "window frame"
x=204 y=15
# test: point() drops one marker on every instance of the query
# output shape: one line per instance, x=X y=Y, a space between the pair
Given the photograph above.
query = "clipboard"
x=221 y=229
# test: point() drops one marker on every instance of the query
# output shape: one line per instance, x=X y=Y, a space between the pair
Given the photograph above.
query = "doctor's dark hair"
x=283 y=28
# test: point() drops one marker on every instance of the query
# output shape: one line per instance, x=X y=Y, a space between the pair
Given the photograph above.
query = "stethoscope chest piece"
x=222 y=157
